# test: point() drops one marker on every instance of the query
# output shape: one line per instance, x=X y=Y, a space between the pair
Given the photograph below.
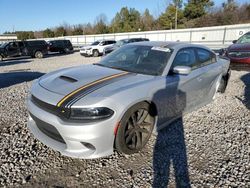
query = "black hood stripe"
x=74 y=96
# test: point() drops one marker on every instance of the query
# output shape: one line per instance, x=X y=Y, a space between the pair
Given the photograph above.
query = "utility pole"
x=178 y=4
x=176 y=14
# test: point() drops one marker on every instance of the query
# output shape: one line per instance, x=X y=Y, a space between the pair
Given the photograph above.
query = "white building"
x=7 y=37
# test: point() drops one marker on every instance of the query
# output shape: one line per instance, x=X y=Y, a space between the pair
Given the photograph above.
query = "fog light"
x=88 y=145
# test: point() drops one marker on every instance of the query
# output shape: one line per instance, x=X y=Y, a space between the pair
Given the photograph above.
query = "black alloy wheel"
x=135 y=129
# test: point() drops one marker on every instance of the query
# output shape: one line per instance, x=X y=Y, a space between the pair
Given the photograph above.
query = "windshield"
x=95 y=43
x=121 y=43
x=244 y=39
x=3 y=45
x=138 y=59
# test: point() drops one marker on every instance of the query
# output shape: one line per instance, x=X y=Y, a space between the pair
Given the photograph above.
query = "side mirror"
x=185 y=70
x=234 y=41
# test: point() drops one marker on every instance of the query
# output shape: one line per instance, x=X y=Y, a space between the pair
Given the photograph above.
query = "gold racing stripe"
x=88 y=85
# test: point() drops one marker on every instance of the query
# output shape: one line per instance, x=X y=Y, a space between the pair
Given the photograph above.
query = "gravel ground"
x=207 y=148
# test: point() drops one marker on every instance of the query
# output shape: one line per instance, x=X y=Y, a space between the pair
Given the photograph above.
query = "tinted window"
x=36 y=43
x=185 y=57
x=67 y=42
x=95 y=43
x=20 y=44
x=111 y=42
x=204 y=56
x=105 y=43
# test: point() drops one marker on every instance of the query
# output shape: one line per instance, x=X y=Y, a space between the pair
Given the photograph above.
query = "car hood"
x=68 y=80
x=86 y=47
x=239 y=47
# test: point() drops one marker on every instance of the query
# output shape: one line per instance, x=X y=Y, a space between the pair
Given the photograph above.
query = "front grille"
x=48 y=129
x=51 y=108
x=239 y=54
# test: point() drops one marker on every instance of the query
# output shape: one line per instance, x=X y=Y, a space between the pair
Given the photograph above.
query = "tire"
x=135 y=129
x=38 y=54
x=1 y=58
x=224 y=82
x=66 y=50
x=95 y=53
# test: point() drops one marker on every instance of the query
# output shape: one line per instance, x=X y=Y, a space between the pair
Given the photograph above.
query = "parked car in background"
x=87 y=111
x=96 y=48
x=239 y=52
x=34 y=48
x=61 y=46
x=122 y=42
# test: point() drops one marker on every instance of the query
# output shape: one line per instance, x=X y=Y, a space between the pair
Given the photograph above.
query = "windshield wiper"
x=102 y=65
x=99 y=64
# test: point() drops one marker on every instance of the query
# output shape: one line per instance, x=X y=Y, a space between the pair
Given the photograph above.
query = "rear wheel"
x=95 y=53
x=135 y=129
x=38 y=54
x=66 y=50
x=224 y=82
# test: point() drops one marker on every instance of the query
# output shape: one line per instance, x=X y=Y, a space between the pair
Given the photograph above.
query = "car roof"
x=59 y=40
x=133 y=38
x=104 y=40
x=169 y=44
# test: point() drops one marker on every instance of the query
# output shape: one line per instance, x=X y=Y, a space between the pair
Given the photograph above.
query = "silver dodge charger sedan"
x=90 y=110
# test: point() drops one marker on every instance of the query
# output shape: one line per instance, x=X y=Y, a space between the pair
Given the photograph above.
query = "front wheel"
x=38 y=54
x=135 y=129
x=95 y=53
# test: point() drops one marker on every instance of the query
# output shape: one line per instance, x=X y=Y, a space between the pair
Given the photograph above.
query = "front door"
x=13 y=49
x=180 y=93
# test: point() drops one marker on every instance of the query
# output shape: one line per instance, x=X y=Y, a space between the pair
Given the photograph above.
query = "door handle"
x=199 y=79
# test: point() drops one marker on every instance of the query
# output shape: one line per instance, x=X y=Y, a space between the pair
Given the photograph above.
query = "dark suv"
x=34 y=48
x=62 y=46
x=122 y=42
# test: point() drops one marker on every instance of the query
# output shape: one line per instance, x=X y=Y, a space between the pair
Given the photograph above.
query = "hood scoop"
x=68 y=79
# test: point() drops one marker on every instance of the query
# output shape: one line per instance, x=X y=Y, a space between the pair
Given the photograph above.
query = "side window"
x=185 y=57
x=20 y=44
x=110 y=42
x=12 y=46
x=105 y=43
x=205 y=57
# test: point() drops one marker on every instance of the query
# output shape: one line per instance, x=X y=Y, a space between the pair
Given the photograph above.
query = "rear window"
x=67 y=42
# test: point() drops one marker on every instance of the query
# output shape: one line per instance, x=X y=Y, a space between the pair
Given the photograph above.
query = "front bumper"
x=77 y=140
x=86 y=52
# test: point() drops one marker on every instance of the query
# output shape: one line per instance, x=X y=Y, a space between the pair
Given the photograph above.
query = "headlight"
x=88 y=48
x=91 y=113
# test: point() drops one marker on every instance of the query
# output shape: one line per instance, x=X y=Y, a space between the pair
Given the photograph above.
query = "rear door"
x=212 y=70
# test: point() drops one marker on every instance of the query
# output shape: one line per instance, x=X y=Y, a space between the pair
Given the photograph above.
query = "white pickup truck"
x=96 y=48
